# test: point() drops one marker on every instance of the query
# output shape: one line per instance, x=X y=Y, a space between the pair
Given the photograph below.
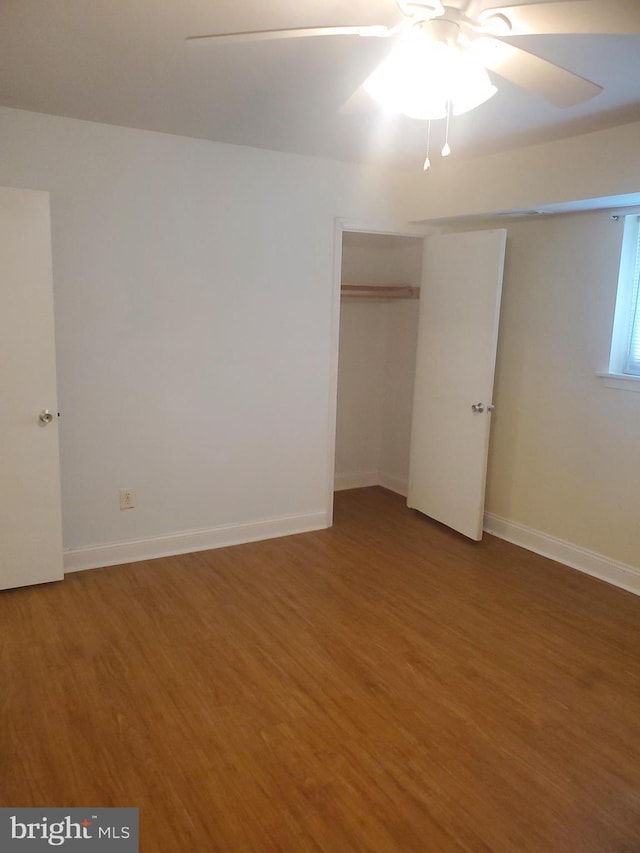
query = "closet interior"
x=381 y=276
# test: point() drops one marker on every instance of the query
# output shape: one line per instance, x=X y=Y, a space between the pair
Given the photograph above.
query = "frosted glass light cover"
x=420 y=76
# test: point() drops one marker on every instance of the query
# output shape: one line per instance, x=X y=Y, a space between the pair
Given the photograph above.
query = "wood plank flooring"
x=381 y=686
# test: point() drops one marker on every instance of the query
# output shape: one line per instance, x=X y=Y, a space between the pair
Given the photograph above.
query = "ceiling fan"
x=443 y=50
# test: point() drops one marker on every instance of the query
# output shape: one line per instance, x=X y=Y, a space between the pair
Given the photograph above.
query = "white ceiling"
x=126 y=62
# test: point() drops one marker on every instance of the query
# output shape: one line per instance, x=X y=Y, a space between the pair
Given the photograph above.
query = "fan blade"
x=557 y=85
x=485 y=8
x=297 y=33
x=571 y=17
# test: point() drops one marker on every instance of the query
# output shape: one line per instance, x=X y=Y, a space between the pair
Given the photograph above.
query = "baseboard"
x=364 y=479
x=356 y=480
x=394 y=484
x=614 y=572
x=115 y=553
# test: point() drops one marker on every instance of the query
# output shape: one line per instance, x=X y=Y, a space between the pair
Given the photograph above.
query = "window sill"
x=621 y=381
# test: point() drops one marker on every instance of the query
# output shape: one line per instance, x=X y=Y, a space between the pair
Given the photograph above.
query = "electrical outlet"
x=126 y=499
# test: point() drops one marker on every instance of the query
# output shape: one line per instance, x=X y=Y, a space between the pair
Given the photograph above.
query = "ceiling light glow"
x=421 y=76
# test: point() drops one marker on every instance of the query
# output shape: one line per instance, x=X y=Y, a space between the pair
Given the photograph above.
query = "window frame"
x=626 y=322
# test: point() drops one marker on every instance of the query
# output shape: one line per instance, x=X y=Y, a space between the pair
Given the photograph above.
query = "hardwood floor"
x=380 y=686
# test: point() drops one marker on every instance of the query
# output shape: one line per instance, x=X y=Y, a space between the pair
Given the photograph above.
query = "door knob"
x=45 y=416
x=477 y=407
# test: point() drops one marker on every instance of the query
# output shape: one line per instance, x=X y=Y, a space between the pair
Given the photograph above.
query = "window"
x=625 y=343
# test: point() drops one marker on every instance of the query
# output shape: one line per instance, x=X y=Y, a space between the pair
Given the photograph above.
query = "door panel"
x=30 y=517
x=457 y=339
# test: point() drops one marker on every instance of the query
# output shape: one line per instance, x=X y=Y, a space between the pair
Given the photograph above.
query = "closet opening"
x=381 y=276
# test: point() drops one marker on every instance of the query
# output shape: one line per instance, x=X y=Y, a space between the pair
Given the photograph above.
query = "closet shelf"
x=379 y=291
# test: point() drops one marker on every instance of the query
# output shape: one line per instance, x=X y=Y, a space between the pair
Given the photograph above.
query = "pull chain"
x=446 y=148
x=427 y=162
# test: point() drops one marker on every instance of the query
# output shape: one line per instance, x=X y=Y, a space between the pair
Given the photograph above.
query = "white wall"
x=565 y=449
x=376 y=363
x=594 y=165
x=361 y=374
x=397 y=403
x=193 y=301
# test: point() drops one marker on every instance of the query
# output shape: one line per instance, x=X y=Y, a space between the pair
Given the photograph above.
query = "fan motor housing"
x=439 y=29
x=420 y=9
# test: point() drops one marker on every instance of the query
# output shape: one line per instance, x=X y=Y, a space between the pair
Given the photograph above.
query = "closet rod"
x=380 y=291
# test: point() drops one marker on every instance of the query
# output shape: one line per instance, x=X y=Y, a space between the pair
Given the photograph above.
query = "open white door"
x=30 y=518
x=457 y=339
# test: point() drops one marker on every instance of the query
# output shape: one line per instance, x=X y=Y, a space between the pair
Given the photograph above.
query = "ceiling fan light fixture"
x=400 y=84
x=477 y=90
x=420 y=78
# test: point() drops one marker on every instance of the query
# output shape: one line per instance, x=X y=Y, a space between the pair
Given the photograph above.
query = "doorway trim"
x=388 y=228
